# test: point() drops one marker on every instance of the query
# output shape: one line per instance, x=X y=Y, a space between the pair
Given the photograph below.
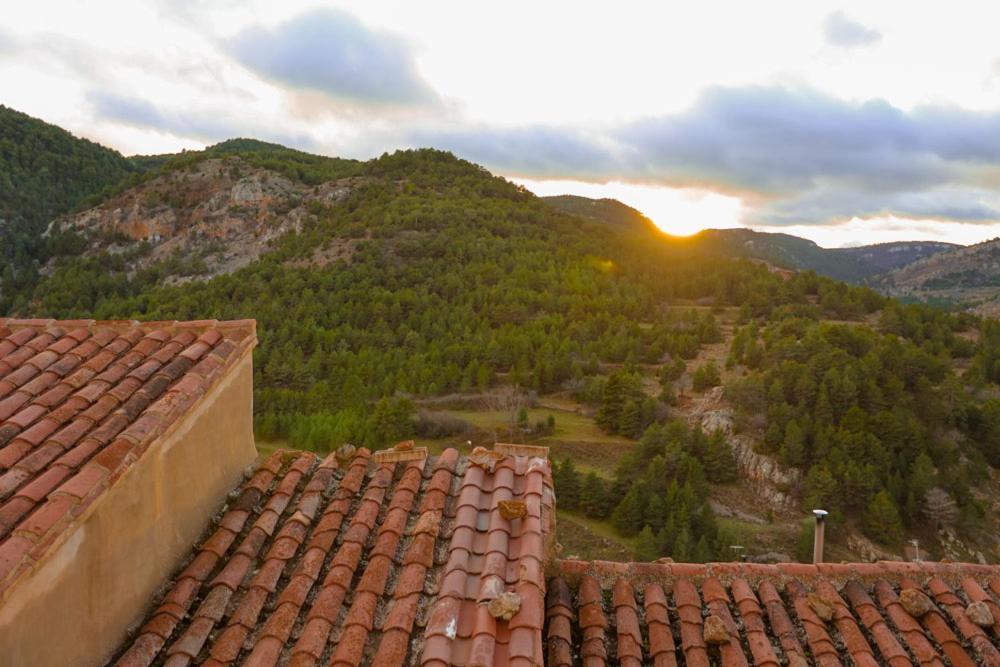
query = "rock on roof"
x=865 y=614
x=80 y=401
x=384 y=559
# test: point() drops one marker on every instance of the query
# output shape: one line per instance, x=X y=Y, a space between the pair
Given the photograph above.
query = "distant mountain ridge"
x=784 y=250
x=968 y=275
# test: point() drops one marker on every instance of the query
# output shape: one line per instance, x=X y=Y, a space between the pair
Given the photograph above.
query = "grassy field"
x=570 y=425
x=588 y=539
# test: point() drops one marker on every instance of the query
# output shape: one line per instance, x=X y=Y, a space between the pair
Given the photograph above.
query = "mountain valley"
x=696 y=392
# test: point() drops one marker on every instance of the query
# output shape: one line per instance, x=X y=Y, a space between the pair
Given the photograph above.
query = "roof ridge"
x=883 y=569
x=80 y=402
x=789 y=613
x=248 y=324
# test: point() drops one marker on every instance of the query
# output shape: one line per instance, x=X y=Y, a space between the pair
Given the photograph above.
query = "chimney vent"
x=818 y=535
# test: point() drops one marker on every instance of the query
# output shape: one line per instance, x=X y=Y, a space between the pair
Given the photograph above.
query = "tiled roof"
x=788 y=614
x=383 y=559
x=80 y=401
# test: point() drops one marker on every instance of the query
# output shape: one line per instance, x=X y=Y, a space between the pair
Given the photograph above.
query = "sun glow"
x=678 y=211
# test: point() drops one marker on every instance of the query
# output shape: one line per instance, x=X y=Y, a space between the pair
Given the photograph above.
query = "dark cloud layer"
x=840 y=30
x=815 y=158
x=208 y=126
x=332 y=52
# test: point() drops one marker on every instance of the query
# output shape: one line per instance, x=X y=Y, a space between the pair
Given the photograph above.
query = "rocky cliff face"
x=214 y=217
x=772 y=481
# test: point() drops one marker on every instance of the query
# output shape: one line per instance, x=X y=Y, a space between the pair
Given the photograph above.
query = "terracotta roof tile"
x=319 y=562
x=67 y=390
x=774 y=615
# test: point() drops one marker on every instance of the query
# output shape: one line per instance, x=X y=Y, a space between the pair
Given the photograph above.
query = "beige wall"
x=77 y=605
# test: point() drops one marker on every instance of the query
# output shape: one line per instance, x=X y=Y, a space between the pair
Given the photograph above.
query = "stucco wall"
x=77 y=605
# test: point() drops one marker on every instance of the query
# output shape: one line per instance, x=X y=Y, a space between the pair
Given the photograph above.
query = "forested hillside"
x=610 y=211
x=427 y=276
x=44 y=171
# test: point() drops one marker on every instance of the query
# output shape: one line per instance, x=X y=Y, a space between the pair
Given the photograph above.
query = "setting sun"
x=677 y=211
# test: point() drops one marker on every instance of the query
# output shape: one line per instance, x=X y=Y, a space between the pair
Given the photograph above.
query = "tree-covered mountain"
x=44 y=172
x=419 y=275
x=783 y=250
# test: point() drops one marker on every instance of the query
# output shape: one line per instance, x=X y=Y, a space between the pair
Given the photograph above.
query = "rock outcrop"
x=771 y=480
x=214 y=216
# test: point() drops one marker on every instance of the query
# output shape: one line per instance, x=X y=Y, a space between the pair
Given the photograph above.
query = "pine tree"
x=821 y=488
x=646 y=546
x=668 y=395
x=706 y=376
x=702 y=552
x=630 y=422
x=719 y=460
x=793 y=451
x=656 y=512
x=593 y=497
x=569 y=485
x=612 y=403
x=682 y=546
x=823 y=412
x=627 y=516
x=804 y=545
x=881 y=519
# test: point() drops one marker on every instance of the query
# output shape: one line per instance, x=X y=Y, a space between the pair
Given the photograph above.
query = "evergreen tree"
x=567 y=480
x=793 y=451
x=630 y=422
x=612 y=404
x=593 y=496
x=702 y=551
x=646 y=546
x=821 y=488
x=628 y=514
x=681 y=551
x=804 y=544
x=881 y=519
x=706 y=376
x=719 y=460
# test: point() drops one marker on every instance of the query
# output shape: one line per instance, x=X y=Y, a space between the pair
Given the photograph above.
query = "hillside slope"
x=608 y=211
x=968 y=276
x=44 y=172
x=213 y=217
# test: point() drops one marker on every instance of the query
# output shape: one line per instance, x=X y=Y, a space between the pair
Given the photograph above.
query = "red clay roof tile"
x=868 y=625
x=328 y=564
x=68 y=389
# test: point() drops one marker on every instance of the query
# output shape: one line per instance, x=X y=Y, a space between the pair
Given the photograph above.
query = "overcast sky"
x=847 y=122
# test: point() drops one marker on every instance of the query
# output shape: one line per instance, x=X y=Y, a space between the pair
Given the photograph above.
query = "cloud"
x=208 y=125
x=832 y=205
x=806 y=156
x=332 y=52
x=540 y=150
x=840 y=30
